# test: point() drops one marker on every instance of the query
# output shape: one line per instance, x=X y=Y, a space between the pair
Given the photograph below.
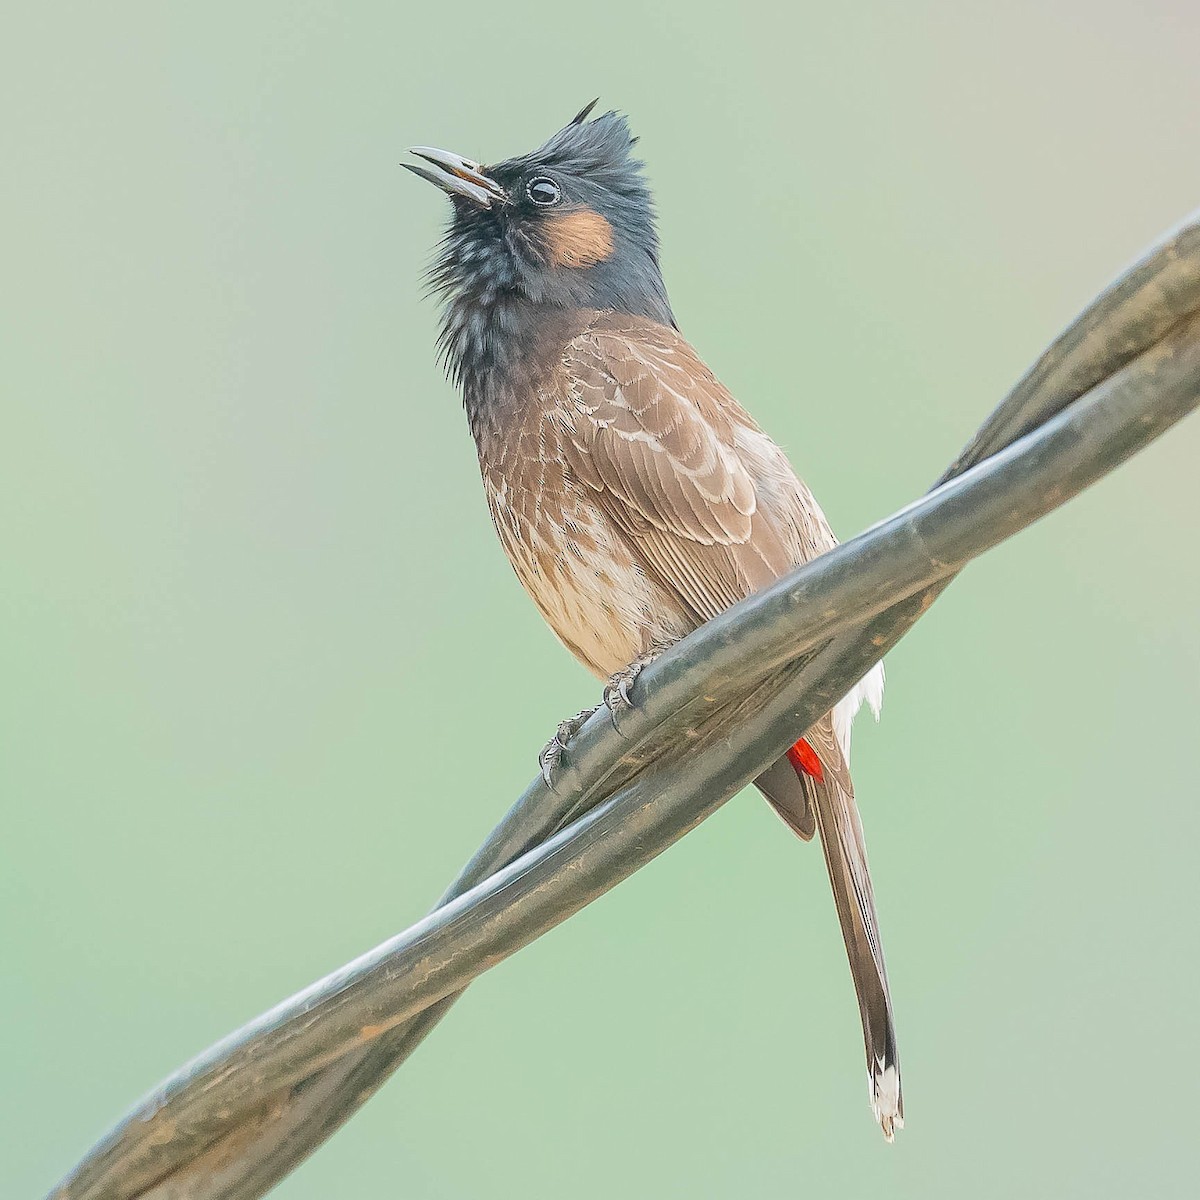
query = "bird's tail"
x=811 y=790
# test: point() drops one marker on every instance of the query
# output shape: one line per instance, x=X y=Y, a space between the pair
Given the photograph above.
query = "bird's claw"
x=616 y=694
x=552 y=752
x=616 y=691
x=616 y=699
x=548 y=759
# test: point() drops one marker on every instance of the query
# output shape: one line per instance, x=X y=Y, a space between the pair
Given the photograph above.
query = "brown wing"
x=664 y=446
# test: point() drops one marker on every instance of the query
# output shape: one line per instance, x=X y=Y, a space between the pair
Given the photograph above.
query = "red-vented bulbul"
x=633 y=495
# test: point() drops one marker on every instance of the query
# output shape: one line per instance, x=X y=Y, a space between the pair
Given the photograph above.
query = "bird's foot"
x=616 y=699
x=616 y=691
x=552 y=752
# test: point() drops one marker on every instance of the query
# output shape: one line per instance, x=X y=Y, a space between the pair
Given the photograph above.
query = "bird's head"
x=569 y=225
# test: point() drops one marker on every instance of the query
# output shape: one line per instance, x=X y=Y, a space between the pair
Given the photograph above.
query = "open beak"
x=456 y=175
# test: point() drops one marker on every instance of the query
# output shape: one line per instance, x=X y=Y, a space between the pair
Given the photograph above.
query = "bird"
x=633 y=496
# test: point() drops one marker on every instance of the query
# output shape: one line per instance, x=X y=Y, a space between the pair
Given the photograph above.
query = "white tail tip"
x=884 y=1086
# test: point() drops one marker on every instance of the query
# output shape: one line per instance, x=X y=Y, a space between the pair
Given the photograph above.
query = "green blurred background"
x=243 y=645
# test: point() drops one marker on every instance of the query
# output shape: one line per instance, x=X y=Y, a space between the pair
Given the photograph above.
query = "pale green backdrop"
x=251 y=602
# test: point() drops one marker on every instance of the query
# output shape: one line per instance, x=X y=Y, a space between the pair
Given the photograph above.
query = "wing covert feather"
x=650 y=429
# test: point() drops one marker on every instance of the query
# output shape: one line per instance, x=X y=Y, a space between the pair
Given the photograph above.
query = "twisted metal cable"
x=238 y=1118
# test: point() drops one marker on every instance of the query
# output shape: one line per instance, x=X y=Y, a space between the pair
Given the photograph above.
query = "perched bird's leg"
x=616 y=691
x=616 y=699
x=552 y=752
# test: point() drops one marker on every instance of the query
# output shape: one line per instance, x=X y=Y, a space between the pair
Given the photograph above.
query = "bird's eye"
x=544 y=191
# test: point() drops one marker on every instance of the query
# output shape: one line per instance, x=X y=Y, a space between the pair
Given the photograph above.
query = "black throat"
x=501 y=347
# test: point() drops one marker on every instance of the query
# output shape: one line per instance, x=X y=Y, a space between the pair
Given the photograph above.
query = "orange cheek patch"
x=578 y=239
